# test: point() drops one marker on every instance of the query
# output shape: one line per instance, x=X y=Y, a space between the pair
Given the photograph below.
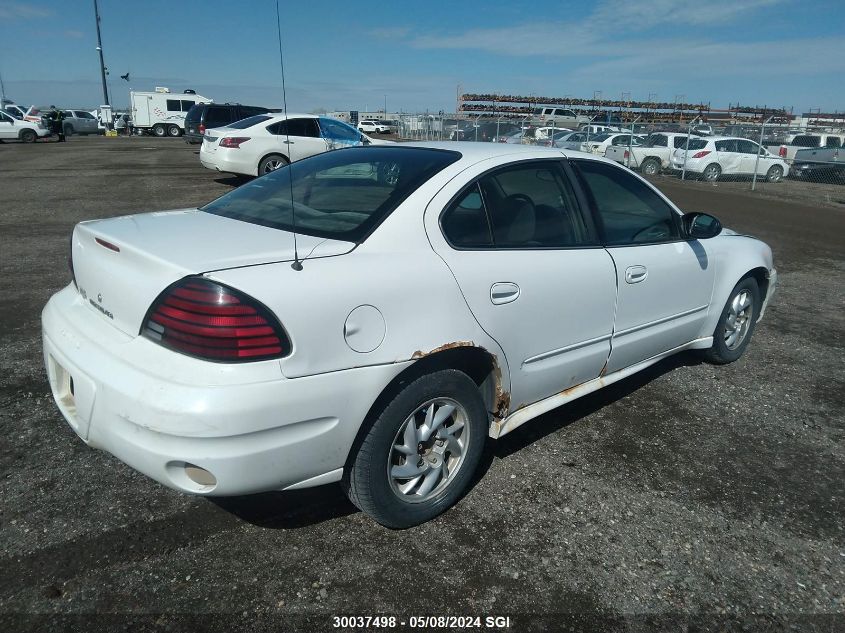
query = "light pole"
x=100 y=50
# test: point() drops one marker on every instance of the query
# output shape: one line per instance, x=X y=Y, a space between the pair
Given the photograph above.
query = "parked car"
x=652 y=156
x=717 y=156
x=599 y=144
x=373 y=127
x=557 y=115
x=827 y=163
x=379 y=339
x=80 y=122
x=798 y=142
x=595 y=130
x=544 y=133
x=262 y=143
x=204 y=116
x=571 y=140
x=31 y=114
x=24 y=131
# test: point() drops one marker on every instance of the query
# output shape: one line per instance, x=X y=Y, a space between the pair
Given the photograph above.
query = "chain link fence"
x=768 y=159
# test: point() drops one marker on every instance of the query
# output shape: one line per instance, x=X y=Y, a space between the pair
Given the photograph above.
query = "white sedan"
x=717 y=156
x=371 y=315
x=260 y=144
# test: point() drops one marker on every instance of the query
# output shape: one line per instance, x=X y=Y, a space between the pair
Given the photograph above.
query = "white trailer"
x=161 y=112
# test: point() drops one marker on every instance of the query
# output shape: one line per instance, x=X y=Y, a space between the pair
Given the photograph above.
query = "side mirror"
x=701 y=226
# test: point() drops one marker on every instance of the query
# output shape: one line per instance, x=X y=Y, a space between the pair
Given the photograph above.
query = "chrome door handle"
x=635 y=274
x=289 y=142
x=503 y=292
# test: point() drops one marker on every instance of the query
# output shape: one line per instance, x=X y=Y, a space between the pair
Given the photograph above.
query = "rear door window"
x=729 y=145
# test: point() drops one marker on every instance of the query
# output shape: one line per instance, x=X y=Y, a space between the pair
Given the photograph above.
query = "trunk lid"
x=122 y=264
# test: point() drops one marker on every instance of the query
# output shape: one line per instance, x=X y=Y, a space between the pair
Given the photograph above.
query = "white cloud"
x=20 y=11
x=644 y=14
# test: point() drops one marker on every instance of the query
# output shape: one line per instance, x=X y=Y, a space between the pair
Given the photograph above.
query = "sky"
x=415 y=56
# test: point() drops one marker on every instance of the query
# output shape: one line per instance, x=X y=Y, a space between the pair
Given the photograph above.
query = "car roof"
x=472 y=152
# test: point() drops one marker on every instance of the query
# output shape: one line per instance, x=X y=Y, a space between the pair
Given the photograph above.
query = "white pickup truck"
x=651 y=157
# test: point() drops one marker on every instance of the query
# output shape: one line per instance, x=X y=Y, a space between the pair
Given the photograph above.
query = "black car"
x=204 y=116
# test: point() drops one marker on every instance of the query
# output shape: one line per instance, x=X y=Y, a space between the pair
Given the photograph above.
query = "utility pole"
x=100 y=49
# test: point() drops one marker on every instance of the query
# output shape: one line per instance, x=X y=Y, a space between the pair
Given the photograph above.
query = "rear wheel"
x=28 y=136
x=736 y=324
x=173 y=130
x=271 y=163
x=159 y=130
x=712 y=172
x=651 y=167
x=420 y=453
x=775 y=173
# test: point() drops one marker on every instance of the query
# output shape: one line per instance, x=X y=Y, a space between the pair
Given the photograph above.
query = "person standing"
x=57 y=123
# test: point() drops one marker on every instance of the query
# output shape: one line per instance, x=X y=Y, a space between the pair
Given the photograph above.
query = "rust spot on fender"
x=420 y=354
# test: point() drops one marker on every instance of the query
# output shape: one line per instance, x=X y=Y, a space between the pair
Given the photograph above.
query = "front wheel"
x=775 y=173
x=159 y=130
x=28 y=136
x=419 y=455
x=712 y=172
x=736 y=323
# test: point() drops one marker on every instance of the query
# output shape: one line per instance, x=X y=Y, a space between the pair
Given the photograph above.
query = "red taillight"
x=207 y=320
x=782 y=152
x=701 y=154
x=201 y=128
x=233 y=141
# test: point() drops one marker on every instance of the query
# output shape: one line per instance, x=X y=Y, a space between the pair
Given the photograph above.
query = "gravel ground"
x=688 y=497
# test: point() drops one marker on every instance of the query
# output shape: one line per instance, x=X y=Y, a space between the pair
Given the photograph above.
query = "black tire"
x=775 y=173
x=68 y=129
x=271 y=163
x=159 y=130
x=712 y=172
x=721 y=353
x=650 y=167
x=174 y=131
x=27 y=136
x=366 y=478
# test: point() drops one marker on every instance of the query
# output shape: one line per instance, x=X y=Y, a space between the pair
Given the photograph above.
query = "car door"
x=664 y=282
x=728 y=156
x=8 y=128
x=531 y=270
x=748 y=158
x=298 y=138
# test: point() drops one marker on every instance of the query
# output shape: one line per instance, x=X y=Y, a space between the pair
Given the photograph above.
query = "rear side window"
x=295 y=127
x=832 y=141
x=656 y=140
x=217 y=116
x=340 y=195
x=681 y=141
x=465 y=223
x=523 y=206
x=630 y=211
x=195 y=113
x=730 y=145
x=807 y=141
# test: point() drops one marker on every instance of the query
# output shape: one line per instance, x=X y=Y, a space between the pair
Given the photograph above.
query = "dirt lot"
x=689 y=495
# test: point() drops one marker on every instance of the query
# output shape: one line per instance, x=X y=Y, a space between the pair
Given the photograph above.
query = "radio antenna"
x=296 y=265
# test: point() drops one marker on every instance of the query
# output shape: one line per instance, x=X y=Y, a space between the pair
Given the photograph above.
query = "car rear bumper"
x=196 y=426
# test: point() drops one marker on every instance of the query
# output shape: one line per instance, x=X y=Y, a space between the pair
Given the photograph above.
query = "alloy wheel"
x=428 y=450
x=738 y=321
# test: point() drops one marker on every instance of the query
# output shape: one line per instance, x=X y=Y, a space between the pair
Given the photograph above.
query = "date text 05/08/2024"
x=421 y=621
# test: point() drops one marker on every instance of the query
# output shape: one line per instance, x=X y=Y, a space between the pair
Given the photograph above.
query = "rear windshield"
x=341 y=195
x=195 y=113
x=249 y=121
x=807 y=141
